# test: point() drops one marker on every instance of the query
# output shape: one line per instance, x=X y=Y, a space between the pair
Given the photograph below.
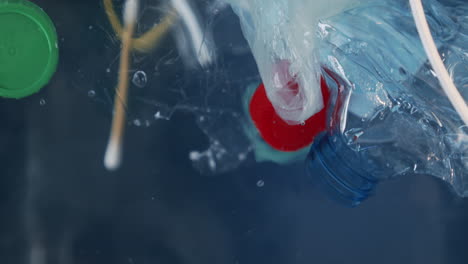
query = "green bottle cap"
x=28 y=48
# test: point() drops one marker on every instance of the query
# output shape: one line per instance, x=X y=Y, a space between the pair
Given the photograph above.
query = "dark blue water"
x=58 y=203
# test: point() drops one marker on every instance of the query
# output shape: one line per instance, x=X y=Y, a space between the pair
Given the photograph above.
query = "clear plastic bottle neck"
x=342 y=181
x=337 y=169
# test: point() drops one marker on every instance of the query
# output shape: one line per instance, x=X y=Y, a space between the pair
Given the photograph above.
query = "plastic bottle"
x=390 y=115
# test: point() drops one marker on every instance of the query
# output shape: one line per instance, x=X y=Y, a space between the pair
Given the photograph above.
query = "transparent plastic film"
x=282 y=37
x=187 y=59
x=395 y=118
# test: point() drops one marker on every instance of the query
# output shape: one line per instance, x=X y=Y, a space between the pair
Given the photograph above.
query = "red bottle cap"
x=279 y=134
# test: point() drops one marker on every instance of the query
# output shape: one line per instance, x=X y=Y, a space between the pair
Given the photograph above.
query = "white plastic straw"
x=437 y=64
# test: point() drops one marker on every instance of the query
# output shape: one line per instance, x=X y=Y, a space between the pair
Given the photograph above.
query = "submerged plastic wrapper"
x=399 y=118
x=282 y=30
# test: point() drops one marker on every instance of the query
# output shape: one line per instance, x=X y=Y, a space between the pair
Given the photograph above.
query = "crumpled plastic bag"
x=282 y=37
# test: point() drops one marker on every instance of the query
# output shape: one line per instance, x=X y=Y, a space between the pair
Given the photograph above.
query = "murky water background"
x=58 y=204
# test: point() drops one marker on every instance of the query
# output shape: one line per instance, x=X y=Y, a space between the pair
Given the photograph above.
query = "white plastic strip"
x=437 y=64
x=195 y=31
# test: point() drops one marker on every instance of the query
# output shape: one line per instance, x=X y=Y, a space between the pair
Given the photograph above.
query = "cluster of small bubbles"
x=42 y=102
x=139 y=79
x=137 y=122
x=91 y=93
x=260 y=183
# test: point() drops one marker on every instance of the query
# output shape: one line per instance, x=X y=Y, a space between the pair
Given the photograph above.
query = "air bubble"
x=137 y=122
x=91 y=93
x=260 y=183
x=139 y=79
x=42 y=102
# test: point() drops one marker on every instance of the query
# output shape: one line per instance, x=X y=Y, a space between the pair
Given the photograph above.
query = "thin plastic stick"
x=113 y=154
x=437 y=64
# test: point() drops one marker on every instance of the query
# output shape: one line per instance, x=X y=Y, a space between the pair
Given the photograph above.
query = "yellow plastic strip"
x=146 y=42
